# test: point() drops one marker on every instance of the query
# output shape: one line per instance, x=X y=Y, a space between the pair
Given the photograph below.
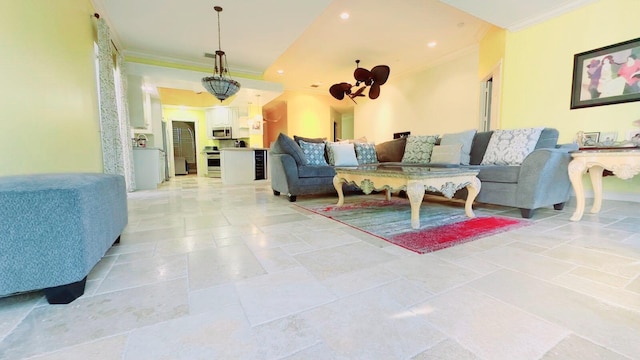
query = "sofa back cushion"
x=286 y=145
x=479 y=146
x=548 y=139
x=392 y=150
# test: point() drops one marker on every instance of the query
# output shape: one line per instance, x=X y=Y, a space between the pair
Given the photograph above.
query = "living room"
x=52 y=125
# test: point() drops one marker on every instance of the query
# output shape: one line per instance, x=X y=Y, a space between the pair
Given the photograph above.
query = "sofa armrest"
x=544 y=178
x=284 y=172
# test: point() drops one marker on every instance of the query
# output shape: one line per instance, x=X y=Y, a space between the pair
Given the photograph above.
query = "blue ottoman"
x=54 y=228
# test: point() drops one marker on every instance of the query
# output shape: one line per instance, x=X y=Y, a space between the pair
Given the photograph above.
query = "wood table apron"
x=414 y=184
x=624 y=164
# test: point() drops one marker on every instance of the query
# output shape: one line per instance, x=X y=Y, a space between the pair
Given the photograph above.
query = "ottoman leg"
x=117 y=241
x=65 y=294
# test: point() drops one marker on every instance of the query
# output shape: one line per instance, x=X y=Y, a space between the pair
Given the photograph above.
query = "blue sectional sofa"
x=541 y=180
x=54 y=228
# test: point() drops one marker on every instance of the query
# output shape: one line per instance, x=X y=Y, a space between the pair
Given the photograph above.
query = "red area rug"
x=442 y=223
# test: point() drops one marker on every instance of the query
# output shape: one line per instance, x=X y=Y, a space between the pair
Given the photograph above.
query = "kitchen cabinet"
x=149 y=167
x=233 y=117
x=243 y=165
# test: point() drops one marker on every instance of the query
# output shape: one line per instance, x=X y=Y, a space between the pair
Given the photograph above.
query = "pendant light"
x=220 y=84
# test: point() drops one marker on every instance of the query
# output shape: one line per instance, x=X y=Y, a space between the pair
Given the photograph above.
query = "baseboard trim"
x=608 y=195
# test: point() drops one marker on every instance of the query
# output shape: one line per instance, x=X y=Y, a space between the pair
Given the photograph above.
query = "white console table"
x=623 y=163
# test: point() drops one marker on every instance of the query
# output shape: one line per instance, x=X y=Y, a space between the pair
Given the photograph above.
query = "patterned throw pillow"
x=314 y=152
x=366 y=153
x=341 y=154
x=418 y=149
x=510 y=147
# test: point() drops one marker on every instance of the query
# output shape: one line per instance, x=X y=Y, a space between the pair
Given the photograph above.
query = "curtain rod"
x=97 y=16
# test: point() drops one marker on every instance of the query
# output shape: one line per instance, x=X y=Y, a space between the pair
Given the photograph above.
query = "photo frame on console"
x=607 y=75
x=591 y=138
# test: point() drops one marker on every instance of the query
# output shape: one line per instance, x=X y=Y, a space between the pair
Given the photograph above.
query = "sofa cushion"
x=498 y=173
x=479 y=146
x=392 y=150
x=418 y=149
x=341 y=154
x=286 y=145
x=510 y=147
x=446 y=154
x=548 y=139
x=297 y=139
x=313 y=171
x=464 y=138
x=313 y=152
x=366 y=153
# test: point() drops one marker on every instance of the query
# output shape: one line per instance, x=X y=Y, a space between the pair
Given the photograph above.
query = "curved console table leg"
x=473 y=190
x=595 y=173
x=415 y=193
x=337 y=183
x=576 y=169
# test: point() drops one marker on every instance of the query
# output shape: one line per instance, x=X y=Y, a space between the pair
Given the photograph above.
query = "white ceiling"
x=308 y=39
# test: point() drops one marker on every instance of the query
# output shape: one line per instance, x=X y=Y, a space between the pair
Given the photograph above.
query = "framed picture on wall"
x=607 y=75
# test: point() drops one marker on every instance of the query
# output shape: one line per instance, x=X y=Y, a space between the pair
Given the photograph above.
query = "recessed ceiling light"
x=432 y=44
x=280 y=72
x=344 y=16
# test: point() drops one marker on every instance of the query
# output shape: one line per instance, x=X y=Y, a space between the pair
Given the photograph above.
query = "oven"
x=213 y=162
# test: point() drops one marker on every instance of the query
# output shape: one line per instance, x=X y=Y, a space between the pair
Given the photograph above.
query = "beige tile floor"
x=206 y=271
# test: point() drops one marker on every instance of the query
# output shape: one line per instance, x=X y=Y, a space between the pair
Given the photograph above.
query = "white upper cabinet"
x=228 y=116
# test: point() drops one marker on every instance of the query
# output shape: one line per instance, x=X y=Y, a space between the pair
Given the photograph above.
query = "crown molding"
x=549 y=15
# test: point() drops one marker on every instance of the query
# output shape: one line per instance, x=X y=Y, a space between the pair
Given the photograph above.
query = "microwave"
x=221 y=132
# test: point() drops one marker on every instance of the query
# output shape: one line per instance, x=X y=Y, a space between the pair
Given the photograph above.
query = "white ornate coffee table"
x=623 y=163
x=415 y=180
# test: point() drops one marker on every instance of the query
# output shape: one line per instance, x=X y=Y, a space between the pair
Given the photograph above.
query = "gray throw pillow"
x=465 y=138
x=288 y=146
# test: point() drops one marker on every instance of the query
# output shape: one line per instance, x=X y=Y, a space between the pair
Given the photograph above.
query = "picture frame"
x=607 y=75
x=608 y=138
x=591 y=138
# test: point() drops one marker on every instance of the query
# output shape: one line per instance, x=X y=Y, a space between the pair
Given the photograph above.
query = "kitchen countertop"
x=146 y=148
x=243 y=149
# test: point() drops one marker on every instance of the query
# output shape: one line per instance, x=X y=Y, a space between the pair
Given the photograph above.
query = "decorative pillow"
x=392 y=150
x=366 y=153
x=314 y=152
x=288 y=146
x=446 y=154
x=510 y=147
x=418 y=149
x=341 y=154
x=464 y=138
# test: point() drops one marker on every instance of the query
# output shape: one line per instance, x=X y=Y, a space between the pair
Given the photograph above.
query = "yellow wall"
x=48 y=91
x=492 y=47
x=308 y=114
x=538 y=71
x=437 y=100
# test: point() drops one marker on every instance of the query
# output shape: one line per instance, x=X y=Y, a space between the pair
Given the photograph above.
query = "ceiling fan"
x=374 y=78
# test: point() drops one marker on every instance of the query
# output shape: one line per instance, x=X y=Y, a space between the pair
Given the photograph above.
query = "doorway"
x=490 y=99
x=184 y=139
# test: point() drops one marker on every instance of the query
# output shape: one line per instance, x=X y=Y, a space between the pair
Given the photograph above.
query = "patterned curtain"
x=125 y=124
x=114 y=122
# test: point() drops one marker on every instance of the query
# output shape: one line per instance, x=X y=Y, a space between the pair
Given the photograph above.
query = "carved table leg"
x=472 y=191
x=337 y=183
x=595 y=173
x=387 y=194
x=576 y=169
x=415 y=192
